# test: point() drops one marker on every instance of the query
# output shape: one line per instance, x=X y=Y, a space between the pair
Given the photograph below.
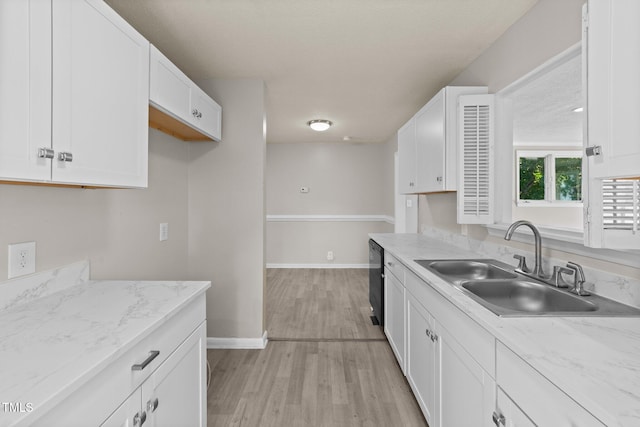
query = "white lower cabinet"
x=452 y=387
x=535 y=397
x=460 y=374
x=508 y=414
x=163 y=389
x=173 y=395
x=423 y=359
x=467 y=390
x=394 y=316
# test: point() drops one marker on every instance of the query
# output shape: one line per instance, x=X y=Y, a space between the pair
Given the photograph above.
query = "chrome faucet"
x=537 y=268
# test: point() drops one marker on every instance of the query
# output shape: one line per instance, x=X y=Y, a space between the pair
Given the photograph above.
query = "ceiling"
x=366 y=65
x=543 y=107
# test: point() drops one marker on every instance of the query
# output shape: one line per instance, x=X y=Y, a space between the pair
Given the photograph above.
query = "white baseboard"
x=237 y=343
x=327 y=265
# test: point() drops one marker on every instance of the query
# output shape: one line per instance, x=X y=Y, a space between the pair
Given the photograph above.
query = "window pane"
x=569 y=179
x=531 y=178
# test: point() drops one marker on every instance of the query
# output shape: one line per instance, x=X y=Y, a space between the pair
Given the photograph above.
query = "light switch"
x=409 y=203
x=164 y=231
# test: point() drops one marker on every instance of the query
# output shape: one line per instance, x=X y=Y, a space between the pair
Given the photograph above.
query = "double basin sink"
x=499 y=288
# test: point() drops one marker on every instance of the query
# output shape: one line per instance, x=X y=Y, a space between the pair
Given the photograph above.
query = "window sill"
x=567 y=240
x=543 y=204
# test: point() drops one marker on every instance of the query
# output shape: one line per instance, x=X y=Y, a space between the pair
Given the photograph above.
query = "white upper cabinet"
x=431 y=147
x=74 y=78
x=25 y=85
x=611 y=42
x=406 y=158
x=100 y=96
x=174 y=95
x=428 y=162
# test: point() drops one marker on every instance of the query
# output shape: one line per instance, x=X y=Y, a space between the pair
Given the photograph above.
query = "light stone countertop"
x=53 y=344
x=595 y=360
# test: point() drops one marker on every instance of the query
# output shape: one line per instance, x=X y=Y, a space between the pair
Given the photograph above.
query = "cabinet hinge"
x=587 y=216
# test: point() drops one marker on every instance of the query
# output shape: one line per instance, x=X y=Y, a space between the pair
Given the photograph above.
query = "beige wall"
x=343 y=179
x=116 y=229
x=548 y=29
x=226 y=211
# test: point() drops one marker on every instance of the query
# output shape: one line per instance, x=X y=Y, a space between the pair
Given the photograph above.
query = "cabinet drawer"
x=543 y=402
x=475 y=340
x=93 y=402
x=394 y=266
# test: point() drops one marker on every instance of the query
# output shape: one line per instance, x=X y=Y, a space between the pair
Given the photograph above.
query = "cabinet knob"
x=139 y=419
x=152 y=405
x=65 y=157
x=498 y=419
x=439 y=179
x=197 y=114
x=45 y=153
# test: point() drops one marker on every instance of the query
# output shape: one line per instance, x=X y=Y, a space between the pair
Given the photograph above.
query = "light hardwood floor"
x=325 y=364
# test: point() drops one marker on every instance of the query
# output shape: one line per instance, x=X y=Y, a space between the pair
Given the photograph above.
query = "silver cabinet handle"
x=65 y=157
x=498 y=419
x=432 y=336
x=139 y=419
x=439 y=179
x=45 y=153
x=152 y=405
x=140 y=366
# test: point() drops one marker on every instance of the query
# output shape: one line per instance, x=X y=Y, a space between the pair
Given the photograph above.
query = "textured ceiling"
x=543 y=108
x=367 y=65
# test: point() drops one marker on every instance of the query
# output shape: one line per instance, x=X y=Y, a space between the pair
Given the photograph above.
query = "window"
x=549 y=178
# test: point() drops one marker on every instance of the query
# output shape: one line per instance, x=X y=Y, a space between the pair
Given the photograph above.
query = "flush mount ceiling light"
x=319 y=125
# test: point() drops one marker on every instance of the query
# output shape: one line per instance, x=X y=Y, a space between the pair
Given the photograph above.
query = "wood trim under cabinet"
x=165 y=123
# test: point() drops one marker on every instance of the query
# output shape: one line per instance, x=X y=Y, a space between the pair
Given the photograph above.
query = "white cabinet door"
x=613 y=87
x=423 y=359
x=173 y=93
x=169 y=87
x=100 y=96
x=430 y=145
x=208 y=114
x=394 y=316
x=407 y=158
x=538 y=398
x=508 y=414
x=611 y=42
x=25 y=85
x=467 y=391
x=128 y=414
x=175 y=394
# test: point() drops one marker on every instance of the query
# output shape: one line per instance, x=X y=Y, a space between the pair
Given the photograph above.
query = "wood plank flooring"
x=325 y=364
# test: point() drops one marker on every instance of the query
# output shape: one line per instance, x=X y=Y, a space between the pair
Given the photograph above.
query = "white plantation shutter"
x=613 y=217
x=475 y=159
x=620 y=203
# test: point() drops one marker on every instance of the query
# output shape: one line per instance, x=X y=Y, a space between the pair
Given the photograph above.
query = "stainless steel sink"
x=470 y=270
x=497 y=287
x=527 y=296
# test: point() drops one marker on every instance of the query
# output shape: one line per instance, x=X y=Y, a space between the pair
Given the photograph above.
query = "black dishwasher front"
x=376 y=282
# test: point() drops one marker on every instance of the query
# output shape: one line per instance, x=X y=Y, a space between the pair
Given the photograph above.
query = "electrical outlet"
x=22 y=259
x=330 y=256
x=164 y=231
